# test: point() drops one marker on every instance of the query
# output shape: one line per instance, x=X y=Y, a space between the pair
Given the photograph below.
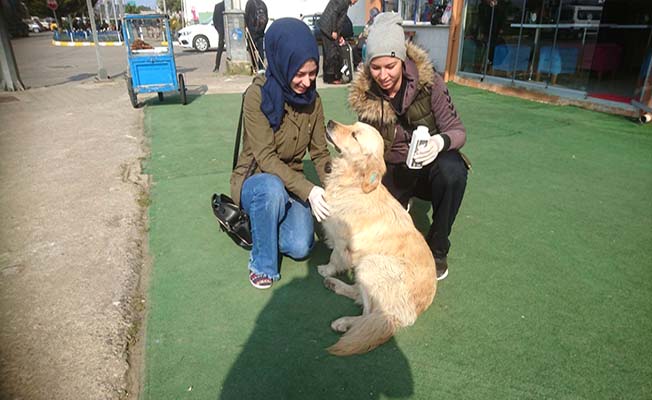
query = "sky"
x=148 y=3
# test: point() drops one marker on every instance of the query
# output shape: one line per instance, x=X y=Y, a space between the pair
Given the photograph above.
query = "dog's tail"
x=367 y=333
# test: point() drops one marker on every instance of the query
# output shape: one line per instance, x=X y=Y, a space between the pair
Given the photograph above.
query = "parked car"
x=312 y=20
x=34 y=26
x=44 y=25
x=200 y=37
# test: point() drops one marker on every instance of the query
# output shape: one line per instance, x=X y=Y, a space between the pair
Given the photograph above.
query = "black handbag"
x=232 y=218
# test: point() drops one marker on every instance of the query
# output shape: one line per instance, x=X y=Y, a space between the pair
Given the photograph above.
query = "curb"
x=84 y=44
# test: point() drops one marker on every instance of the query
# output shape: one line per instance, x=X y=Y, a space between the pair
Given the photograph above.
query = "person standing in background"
x=218 y=24
x=256 y=19
x=330 y=23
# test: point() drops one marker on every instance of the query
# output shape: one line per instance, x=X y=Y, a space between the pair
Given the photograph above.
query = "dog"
x=371 y=233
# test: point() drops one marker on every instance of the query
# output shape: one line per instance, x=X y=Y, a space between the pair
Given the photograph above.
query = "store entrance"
x=621 y=55
x=599 y=49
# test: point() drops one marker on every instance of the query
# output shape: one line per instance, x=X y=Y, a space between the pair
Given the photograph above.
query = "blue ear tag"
x=373 y=177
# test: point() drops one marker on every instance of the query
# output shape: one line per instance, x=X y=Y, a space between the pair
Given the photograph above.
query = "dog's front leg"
x=340 y=261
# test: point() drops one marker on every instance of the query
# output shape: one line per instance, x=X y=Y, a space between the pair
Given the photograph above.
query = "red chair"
x=603 y=57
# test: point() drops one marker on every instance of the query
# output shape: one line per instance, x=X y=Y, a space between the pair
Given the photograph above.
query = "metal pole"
x=518 y=46
x=554 y=44
x=107 y=11
x=115 y=18
x=165 y=9
x=101 y=72
x=486 y=60
x=58 y=24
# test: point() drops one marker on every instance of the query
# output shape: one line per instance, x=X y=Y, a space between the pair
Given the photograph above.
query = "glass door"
x=618 y=62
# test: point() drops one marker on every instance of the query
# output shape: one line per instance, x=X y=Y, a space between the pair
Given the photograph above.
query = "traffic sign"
x=52 y=4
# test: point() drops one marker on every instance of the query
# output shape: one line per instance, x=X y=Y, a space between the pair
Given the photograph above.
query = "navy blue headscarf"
x=289 y=43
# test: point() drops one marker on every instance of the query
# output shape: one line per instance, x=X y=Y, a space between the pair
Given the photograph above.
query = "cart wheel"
x=182 y=90
x=160 y=96
x=132 y=94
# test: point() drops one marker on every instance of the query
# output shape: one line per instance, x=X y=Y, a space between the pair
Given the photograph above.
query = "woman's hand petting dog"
x=318 y=204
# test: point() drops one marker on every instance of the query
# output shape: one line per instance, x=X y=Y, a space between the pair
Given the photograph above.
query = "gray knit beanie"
x=386 y=37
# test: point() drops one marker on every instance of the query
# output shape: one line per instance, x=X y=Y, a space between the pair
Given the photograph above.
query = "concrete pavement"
x=73 y=226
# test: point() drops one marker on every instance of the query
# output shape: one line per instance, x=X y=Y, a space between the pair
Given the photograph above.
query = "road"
x=41 y=64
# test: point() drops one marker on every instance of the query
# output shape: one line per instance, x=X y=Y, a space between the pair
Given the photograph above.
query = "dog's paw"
x=326 y=270
x=330 y=283
x=341 y=324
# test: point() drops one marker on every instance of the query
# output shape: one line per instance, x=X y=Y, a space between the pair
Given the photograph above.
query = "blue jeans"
x=280 y=223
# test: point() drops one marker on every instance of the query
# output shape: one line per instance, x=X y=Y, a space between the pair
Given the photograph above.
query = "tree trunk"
x=9 y=77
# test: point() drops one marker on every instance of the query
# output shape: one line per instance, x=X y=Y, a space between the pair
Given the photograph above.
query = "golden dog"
x=369 y=231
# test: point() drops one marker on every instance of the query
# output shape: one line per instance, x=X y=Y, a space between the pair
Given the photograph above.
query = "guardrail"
x=85 y=36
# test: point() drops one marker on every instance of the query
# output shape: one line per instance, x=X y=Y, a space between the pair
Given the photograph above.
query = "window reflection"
x=600 y=47
x=434 y=12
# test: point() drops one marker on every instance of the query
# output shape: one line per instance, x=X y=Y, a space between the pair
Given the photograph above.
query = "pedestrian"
x=218 y=24
x=396 y=91
x=330 y=23
x=361 y=44
x=283 y=118
x=256 y=19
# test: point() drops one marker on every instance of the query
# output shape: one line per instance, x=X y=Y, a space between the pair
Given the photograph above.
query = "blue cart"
x=151 y=57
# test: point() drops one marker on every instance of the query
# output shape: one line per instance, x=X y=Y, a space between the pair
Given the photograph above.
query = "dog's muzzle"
x=329 y=139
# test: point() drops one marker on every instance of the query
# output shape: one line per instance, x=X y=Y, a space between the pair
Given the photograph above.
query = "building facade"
x=594 y=52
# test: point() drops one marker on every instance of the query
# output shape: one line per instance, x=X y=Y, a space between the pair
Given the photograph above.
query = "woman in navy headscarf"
x=283 y=118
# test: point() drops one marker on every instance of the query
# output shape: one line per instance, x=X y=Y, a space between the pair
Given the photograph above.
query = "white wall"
x=282 y=8
x=433 y=39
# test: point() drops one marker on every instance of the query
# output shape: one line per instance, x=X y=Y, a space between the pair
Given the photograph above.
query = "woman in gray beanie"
x=396 y=91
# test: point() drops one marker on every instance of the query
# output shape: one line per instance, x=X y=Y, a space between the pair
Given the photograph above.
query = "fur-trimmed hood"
x=368 y=106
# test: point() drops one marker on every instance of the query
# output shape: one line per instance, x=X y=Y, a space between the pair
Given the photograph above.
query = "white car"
x=200 y=37
x=34 y=26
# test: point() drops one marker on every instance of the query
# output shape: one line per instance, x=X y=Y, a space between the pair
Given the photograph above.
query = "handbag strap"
x=238 y=135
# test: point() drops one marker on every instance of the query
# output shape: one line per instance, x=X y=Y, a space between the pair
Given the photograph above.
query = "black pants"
x=442 y=183
x=332 y=60
x=220 y=50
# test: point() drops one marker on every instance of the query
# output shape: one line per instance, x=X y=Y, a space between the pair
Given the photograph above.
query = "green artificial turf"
x=549 y=294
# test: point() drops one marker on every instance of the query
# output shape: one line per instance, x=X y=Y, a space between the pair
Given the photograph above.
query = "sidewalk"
x=72 y=233
x=72 y=240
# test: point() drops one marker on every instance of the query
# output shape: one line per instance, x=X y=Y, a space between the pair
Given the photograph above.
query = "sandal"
x=260 y=281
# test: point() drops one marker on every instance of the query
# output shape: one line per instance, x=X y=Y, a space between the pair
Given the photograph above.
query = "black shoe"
x=442 y=268
x=216 y=69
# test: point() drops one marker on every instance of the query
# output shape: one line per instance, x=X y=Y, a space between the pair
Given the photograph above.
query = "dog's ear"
x=373 y=173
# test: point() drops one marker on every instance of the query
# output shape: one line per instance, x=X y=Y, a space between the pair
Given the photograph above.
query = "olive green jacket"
x=280 y=153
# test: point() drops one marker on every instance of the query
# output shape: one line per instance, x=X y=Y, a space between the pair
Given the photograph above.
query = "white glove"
x=428 y=153
x=318 y=204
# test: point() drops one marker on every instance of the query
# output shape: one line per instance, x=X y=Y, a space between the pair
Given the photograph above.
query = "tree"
x=9 y=77
x=75 y=8
x=172 y=5
x=131 y=9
